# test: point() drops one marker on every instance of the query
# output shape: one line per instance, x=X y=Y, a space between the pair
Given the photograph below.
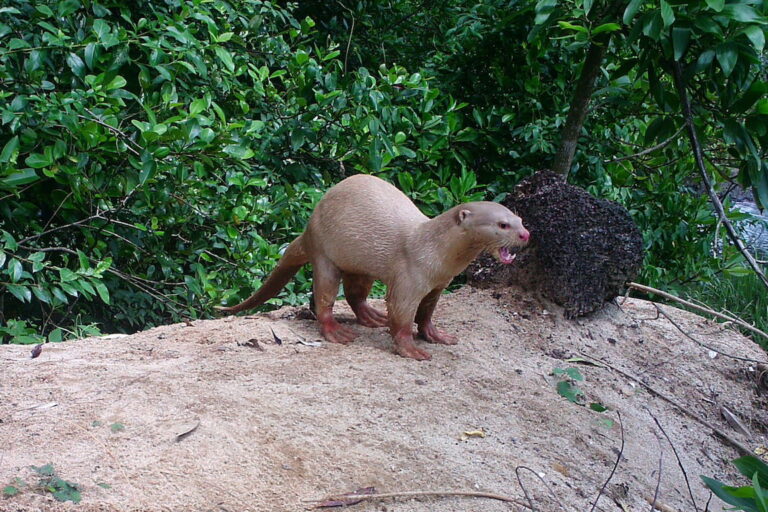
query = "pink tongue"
x=505 y=257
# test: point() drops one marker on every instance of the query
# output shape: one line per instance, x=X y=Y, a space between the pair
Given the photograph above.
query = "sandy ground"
x=280 y=424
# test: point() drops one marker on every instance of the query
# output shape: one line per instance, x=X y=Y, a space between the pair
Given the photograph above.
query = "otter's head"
x=494 y=228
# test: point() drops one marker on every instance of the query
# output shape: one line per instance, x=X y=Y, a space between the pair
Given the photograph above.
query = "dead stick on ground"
x=420 y=494
x=658 y=478
x=616 y=465
x=733 y=442
x=525 y=491
x=701 y=343
x=679 y=462
x=737 y=321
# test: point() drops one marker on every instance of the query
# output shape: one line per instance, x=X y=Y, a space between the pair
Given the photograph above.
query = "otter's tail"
x=293 y=259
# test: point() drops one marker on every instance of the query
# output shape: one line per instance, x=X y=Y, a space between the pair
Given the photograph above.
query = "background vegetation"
x=155 y=156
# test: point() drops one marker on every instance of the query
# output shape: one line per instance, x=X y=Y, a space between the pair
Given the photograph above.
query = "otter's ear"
x=462 y=215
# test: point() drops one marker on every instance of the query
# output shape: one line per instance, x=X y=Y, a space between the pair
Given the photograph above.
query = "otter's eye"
x=503 y=225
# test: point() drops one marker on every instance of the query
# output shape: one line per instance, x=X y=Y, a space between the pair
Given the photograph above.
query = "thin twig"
x=525 y=490
x=650 y=150
x=733 y=442
x=114 y=130
x=415 y=494
x=58 y=228
x=349 y=39
x=737 y=321
x=546 y=484
x=61 y=203
x=658 y=478
x=698 y=157
x=679 y=462
x=616 y=465
x=700 y=343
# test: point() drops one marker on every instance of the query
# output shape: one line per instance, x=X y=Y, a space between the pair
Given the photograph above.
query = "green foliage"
x=15 y=488
x=739 y=292
x=116 y=427
x=567 y=388
x=751 y=498
x=155 y=157
x=61 y=489
x=516 y=63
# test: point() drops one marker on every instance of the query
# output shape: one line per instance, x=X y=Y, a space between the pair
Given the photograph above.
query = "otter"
x=363 y=229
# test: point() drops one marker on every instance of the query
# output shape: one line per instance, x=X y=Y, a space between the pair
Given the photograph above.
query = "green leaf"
x=21 y=177
x=680 y=38
x=667 y=14
x=42 y=294
x=742 y=12
x=574 y=373
x=727 y=55
x=101 y=290
x=631 y=10
x=67 y=275
x=10 y=150
x=38 y=160
x=10 y=242
x=148 y=167
x=569 y=391
x=753 y=32
x=544 y=9
x=225 y=57
x=750 y=466
x=76 y=64
x=716 y=5
x=301 y=57
x=101 y=28
x=197 y=106
x=239 y=152
x=760 y=495
x=570 y=26
x=606 y=27
x=116 y=83
x=726 y=493
x=10 y=490
x=117 y=427
x=23 y=293
x=596 y=406
x=90 y=54
x=56 y=335
x=44 y=10
x=15 y=270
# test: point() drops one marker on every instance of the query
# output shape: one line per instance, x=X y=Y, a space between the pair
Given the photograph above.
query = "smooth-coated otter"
x=365 y=229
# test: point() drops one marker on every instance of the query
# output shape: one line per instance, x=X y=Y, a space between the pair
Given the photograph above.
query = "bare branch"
x=650 y=150
x=737 y=321
x=698 y=157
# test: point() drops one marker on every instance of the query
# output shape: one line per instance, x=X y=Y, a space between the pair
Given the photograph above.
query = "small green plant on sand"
x=14 y=488
x=750 y=498
x=61 y=489
x=567 y=388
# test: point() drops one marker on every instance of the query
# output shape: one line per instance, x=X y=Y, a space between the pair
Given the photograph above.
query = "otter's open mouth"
x=504 y=255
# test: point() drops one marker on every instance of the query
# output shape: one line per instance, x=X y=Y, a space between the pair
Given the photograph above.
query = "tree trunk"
x=579 y=105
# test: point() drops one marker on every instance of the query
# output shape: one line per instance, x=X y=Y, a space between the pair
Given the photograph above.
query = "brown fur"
x=365 y=229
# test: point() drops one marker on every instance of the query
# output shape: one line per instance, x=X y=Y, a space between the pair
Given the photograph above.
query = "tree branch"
x=650 y=150
x=677 y=74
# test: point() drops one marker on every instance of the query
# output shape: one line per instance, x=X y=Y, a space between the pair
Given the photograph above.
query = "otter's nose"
x=524 y=235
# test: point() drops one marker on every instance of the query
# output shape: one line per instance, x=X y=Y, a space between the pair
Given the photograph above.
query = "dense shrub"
x=156 y=156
